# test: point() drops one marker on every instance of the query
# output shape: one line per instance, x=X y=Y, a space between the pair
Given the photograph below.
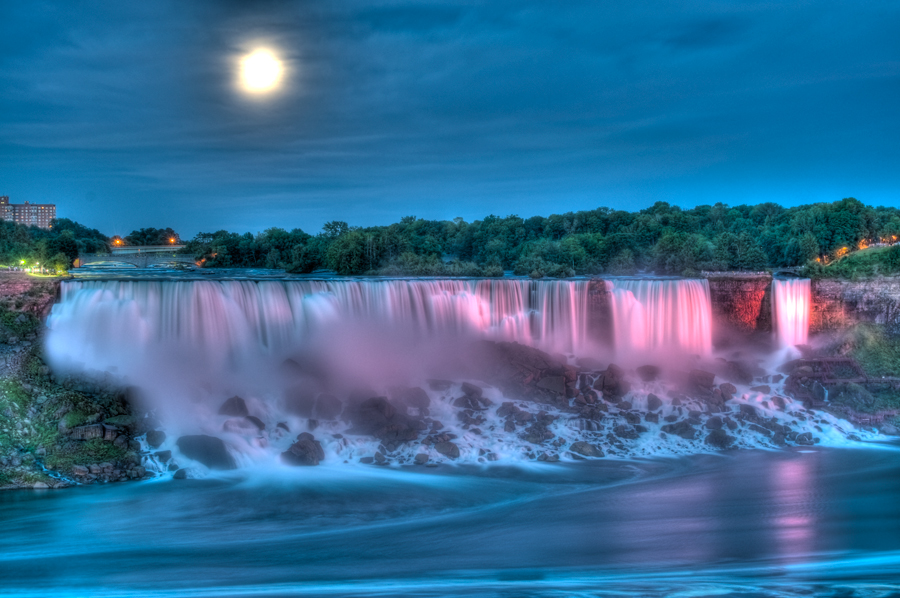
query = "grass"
x=862 y=264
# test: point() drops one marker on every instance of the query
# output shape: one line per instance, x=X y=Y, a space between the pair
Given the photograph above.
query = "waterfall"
x=650 y=315
x=791 y=304
x=229 y=317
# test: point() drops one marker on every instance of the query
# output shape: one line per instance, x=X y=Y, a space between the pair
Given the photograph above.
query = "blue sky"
x=126 y=114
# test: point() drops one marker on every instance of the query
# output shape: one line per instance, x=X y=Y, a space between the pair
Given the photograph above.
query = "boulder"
x=181 y=474
x=377 y=417
x=728 y=390
x=627 y=432
x=586 y=449
x=890 y=430
x=209 y=450
x=234 y=407
x=682 y=429
x=648 y=373
x=653 y=402
x=714 y=423
x=155 y=438
x=421 y=459
x=305 y=451
x=719 y=439
x=702 y=381
x=763 y=388
x=612 y=383
x=448 y=449
x=439 y=384
x=471 y=390
x=413 y=397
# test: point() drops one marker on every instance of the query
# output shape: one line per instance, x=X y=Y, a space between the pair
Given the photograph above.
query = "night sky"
x=128 y=115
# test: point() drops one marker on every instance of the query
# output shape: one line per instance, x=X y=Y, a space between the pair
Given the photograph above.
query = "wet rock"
x=653 y=402
x=283 y=426
x=509 y=426
x=367 y=460
x=448 y=449
x=714 y=423
x=380 y=459
x=421 y=459
x=612 y=383
x=779 y=402
x=764 y=388
x=256 y=422
x=681 y=429
x=626 y=432
x=651 y=417
x=648 y=373
x=805 y=439
x=40 y=486
x=890 y=430
x=434 y=384
x=748 y=412
x=719 y=439
x=181 y=474
x=701 y=381
x=312 y=424
x=586 y=449
x=155 y=438
x=738 y=372
x=164 y=456
x=759 y=429
x=472 y=402
x=728 y=390
x=79 y=470
x=234 y=407
x=378 y=418
x=632 y=417
x=471 y=390
x=555 y=384
x=305 y=451
x=209 y=450
x=413 y=397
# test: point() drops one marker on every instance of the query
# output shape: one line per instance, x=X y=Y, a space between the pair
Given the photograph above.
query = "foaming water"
x=791 y=304
x=655 y=315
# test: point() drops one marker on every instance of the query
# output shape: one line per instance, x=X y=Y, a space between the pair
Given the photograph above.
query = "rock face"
x=306 y=451
x=741 y=302
x=208 y=450
x=838 y=304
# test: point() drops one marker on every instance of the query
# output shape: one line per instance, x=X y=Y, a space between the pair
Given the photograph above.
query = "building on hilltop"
x=29 y=214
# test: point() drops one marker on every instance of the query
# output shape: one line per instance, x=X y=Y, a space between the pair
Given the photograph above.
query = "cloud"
x=441 y=108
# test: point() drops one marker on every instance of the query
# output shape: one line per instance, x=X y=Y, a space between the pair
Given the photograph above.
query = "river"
x=813 y=522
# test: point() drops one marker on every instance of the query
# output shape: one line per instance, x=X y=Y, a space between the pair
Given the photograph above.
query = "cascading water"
x=791 y=303
x=651 y=315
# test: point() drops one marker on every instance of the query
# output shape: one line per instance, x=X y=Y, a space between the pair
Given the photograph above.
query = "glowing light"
x=261 y=71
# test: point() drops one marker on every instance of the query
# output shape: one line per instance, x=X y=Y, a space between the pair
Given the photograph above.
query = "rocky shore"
x=54 y=434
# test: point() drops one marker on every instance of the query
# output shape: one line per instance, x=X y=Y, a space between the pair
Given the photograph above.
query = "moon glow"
x=260 y=72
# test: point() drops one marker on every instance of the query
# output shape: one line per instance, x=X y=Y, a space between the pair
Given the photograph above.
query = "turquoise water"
x=823 y=522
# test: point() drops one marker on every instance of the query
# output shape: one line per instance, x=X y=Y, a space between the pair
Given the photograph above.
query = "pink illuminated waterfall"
x=790 y=299
x=653 y=315
x=274 y=315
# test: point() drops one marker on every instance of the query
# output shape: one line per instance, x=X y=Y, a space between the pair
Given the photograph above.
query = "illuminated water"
x=819 y=522
x=791 y=303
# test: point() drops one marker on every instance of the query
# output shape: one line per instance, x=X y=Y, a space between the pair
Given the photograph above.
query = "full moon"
x=261 y=71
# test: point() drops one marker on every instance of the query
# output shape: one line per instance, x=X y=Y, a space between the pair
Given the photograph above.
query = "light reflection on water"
x=748 y=524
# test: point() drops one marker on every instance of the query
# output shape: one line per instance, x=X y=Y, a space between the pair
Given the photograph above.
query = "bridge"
x=139 y=256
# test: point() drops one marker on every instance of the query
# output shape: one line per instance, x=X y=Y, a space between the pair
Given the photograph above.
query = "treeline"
x=663 y=238
x=55 y=248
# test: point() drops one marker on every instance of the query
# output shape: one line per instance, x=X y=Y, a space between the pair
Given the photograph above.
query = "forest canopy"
x=663 y=238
